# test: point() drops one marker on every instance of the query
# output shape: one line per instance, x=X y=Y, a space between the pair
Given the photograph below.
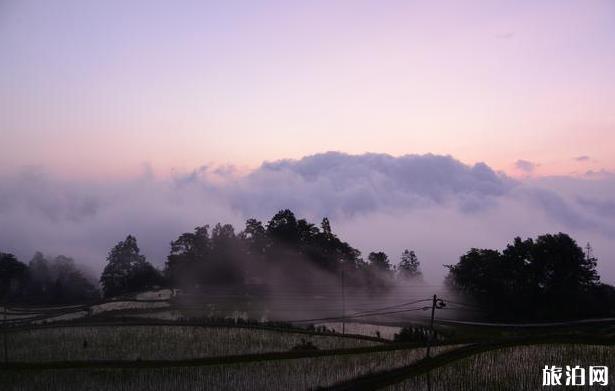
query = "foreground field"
x=116 y=350
x=512 y=368
x=515 y=368
x=289 y=374
x=158 y=342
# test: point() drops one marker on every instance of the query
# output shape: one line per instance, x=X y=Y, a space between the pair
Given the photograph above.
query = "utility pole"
x=4 y=324
x=343 y=304
x=436 y=303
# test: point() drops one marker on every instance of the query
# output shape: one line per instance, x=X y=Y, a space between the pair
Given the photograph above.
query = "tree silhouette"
x=546 y=278
x=65 y=283
x=127 y=270
x=379 y=261
x=409 y=266
x=58 y=281
x=13 y=277
x=40 y=282
x=189 y=254
x=283 y=228
x=224 y=266
x=379 y=272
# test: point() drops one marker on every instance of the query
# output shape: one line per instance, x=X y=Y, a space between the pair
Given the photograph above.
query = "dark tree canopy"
x=13 y=277
x=224 y=267
x=283 y=227
x=199 y=258
x=127 y=270
x=549 y=277
x=58 y=281
x=255 y=238
x=285 y=243
x=43 y=281
x=188 y=255
x=379 y=261
x=409 y=267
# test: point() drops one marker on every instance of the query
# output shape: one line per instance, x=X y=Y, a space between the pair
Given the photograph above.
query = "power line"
x=463 y=309
x=393 y=306
x=462 y=304
x=285 y=304
x=356 y=316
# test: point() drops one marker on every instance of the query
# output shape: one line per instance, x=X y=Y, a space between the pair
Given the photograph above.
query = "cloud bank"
x=434 y=204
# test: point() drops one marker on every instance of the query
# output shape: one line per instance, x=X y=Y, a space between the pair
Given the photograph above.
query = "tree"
x=57 y=281
x=409 y=266
x=127 y=270
x=144 y=276
x=255 y=236
x=39 y=284
x=285 y=248
x=379 y=273
x=546 y=278
x=254 y=243
x=283 y=227
x=189 y=256
x=325 y=225
x=224 y=267
x=66 y=284
x=379 y=261
x=13 y=277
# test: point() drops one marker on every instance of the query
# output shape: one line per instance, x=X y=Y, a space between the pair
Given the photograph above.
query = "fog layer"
x=433 y=204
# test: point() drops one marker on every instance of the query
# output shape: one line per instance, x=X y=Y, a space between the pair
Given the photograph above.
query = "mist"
x=435 y=205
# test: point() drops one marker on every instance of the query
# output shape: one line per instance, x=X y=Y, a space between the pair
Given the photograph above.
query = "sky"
x=100 y=88
x=155 y=116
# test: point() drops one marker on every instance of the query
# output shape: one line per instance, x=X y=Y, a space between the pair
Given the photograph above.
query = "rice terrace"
x=136 y=343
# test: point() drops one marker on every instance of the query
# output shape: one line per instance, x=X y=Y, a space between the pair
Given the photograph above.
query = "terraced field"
x=284 y=374
x=160 y=342
x=117 y=350
x=512 y=368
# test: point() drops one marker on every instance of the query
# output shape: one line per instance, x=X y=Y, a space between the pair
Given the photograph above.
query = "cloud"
x=338 y=184
x=583 y=158
x=84 y=219
x=559 y=209
x=525 y=166
x=602 y=173
x=433 y=203
x=599 y=207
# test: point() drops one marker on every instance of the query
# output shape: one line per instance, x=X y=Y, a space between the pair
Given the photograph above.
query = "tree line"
x=549 y=277
x=44 y=281
x=211 y=257
x=296 y=248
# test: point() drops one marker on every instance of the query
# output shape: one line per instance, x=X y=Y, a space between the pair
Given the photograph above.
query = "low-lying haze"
x=434 y=204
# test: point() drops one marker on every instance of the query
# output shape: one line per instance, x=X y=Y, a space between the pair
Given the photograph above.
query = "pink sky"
x=100 y=89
